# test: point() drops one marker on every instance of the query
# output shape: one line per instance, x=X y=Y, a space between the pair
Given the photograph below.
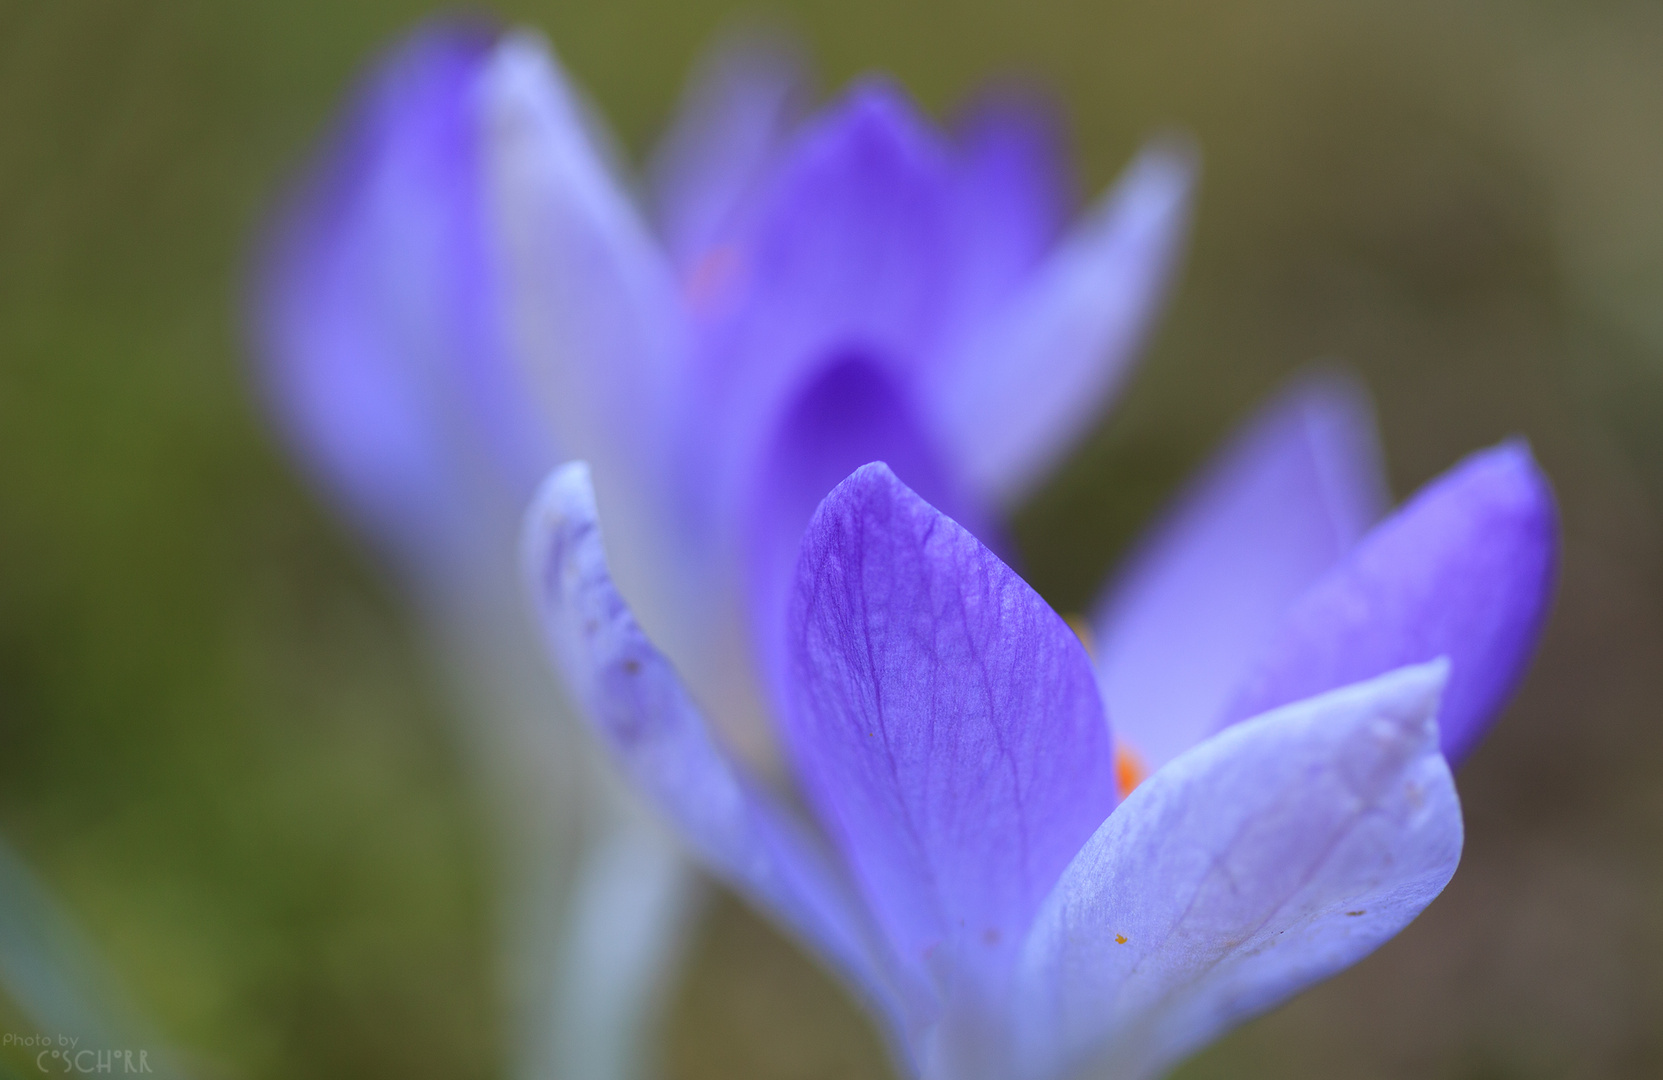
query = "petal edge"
x=1266 y=859
x=636 y=704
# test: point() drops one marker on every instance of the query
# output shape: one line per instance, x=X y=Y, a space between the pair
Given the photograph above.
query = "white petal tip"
x=564 y=503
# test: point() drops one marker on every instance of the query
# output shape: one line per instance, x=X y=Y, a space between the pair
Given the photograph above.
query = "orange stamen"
x=1129 y=769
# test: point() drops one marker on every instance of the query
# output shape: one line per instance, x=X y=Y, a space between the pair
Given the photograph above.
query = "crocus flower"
x=1001 y=886
x=464 y=292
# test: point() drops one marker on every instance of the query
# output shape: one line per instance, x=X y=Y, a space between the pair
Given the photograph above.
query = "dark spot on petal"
x=991 y=936
x=632 y=667
x=1354 y=914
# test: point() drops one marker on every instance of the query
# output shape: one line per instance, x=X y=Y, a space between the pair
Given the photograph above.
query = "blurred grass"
x=220 y=741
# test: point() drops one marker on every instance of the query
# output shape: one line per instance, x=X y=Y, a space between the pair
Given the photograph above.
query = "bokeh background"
x=225 y=750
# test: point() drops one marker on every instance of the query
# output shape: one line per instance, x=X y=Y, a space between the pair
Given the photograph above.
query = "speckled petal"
x=636 y=704
x=1265 y=860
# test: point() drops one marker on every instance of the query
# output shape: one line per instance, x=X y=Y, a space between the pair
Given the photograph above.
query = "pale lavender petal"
x=1277 y=508
x=592 y=298
x=380 y=346
x=1465 y=569
x=635 y=906
x=946 y=726
x=636 y=704
x=595 y=310
x=1034 y=378
x=1265 y=860
x=744 y=101
x=1011 y=198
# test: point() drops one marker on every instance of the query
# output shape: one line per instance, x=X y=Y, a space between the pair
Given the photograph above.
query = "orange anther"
x=1129 y=769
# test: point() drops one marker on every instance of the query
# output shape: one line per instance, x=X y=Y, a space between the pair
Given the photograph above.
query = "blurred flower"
x=1008 y=895
x=463 y=293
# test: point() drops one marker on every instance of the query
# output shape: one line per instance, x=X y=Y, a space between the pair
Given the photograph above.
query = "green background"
x=224 y=748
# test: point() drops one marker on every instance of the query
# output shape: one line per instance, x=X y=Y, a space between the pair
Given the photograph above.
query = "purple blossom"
x=465 y=291
x=1285 y=655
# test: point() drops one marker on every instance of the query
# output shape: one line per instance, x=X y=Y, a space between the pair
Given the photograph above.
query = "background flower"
x=461 y=292
x=225 y=748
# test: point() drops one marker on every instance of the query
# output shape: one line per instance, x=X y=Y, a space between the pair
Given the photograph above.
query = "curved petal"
x=1275 y=510
x=635 y=703
x=1265 y=860
x=945 y=726
x=593 y=298
x=743 y=103
x=1465 y=570
x=1034 y=377
x=381 y=350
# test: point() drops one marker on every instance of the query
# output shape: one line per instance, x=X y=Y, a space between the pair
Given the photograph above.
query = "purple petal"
x=852 y=413
x=1465 y=570
x=638 y=707
x=849 y=239
x=848 y=254
x=1265 y=860
x=1011 y=198
x=946 y=725
x=744 y=101
x=1025 y=386
x=381 y=350
x=592 y=297
x=598 y=327
x=1276 y=509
